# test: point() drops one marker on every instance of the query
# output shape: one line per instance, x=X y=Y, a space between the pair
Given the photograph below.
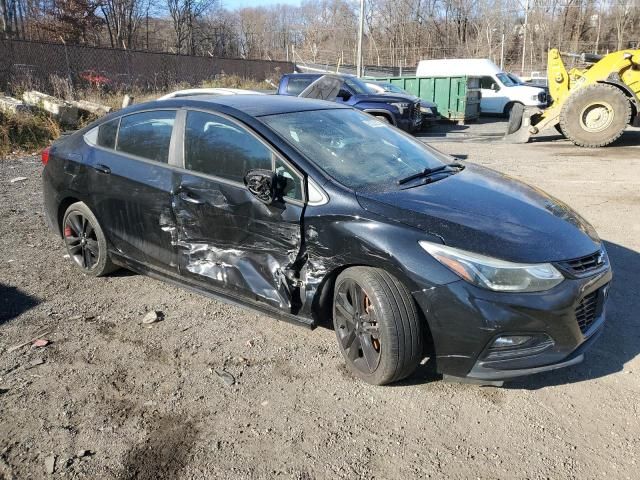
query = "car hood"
x=528 y=90
x=487 y=212
x=386 y=97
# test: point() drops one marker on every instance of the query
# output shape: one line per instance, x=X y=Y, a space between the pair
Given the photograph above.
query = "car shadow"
x=13 y=302
x=620 y=340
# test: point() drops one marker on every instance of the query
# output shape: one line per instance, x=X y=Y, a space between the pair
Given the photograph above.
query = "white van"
x=499 y=92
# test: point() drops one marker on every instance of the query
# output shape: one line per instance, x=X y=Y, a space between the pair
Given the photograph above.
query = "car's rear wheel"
x=377 y=325
x=85 y=241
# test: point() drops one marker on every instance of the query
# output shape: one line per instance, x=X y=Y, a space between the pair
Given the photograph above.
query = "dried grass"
x=26 y=132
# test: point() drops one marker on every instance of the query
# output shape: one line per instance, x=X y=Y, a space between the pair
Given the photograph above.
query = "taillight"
x=44 y=156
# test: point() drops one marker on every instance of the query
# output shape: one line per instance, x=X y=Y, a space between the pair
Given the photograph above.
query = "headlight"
x=401 y=106
x=494 y=274
x=426 y=110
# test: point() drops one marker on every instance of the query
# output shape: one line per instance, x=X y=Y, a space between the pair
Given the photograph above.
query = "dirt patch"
x=147 y=403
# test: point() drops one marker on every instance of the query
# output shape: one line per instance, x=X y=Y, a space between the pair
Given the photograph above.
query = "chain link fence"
x=40 y=65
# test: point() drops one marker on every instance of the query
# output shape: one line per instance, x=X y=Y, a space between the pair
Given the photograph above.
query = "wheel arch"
x=376 y=112
x=322 y=303
x=630 y=94
x=64 y=204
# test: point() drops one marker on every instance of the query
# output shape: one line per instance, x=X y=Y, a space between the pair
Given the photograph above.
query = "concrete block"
x=63 y=111
x=91 y=107
x=12 y=105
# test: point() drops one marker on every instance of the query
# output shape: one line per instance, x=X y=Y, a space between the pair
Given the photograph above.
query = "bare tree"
x=185 y=16
x=123 y=19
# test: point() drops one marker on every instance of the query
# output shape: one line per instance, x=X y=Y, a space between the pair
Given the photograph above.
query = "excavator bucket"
x=521 y=126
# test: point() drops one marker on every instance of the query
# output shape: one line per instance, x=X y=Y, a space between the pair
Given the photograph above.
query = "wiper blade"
x=427 y=172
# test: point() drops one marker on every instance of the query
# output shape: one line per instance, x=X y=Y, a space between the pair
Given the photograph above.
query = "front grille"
x=417 y=114
x=587 y=311
x=582 y=265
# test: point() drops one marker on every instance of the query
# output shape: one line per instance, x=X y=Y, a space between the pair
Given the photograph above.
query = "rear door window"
x=107 y=134
x=296 y=85
x=216 y=146
x=147 y=134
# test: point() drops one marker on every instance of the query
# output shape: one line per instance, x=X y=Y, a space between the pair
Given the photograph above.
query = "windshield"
x=357 y=86
x=390 y=87
x=506 y=80
x=516 y=79
x=355 y=148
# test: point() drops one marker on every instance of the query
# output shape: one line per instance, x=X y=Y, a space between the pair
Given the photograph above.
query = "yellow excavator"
x=590 y=106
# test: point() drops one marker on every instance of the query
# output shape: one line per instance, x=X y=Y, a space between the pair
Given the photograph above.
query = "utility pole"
x=360 y=33
x=502 y=53
x=524 y=34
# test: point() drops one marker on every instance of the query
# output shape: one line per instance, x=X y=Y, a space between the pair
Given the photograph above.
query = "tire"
x=559 y=129
x=382 y=340
x=510 y=106
x=515 y=117
x=85 y=241
x=595 y=115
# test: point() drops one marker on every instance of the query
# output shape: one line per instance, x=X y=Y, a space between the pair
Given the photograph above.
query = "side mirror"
x=262 y=185
x=495 y=87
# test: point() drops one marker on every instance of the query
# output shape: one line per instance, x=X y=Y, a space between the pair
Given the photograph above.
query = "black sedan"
x=314 y=212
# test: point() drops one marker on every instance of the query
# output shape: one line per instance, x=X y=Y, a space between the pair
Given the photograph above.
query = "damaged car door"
x=229 y=236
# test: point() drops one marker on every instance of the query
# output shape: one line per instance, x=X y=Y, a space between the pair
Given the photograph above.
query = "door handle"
x=102 y=168
x=189 y=197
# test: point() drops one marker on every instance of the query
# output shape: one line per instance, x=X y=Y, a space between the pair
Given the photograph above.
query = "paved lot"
x=147 y=402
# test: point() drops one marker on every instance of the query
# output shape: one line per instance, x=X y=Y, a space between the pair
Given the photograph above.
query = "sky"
x=233 y=4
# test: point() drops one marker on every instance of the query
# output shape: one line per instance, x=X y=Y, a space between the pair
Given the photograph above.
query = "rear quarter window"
x=296 y=85
x=107 y=134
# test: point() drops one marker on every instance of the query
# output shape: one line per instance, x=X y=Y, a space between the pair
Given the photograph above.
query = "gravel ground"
x=113 y=398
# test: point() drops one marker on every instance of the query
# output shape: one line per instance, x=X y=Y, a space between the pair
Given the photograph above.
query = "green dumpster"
x=457 y=98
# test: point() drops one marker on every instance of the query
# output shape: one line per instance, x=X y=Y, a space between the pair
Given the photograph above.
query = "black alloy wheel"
x=357 y=327
x=81 y=240
x=85 y=241
x=378 y=327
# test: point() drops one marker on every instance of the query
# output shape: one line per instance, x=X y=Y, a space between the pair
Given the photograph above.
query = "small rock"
x=18 y=179
x=152 y=317
x=265 y=403
x=50 y=464
x=83 y=453
x=34 y=363
x=39 y=343
x=226 y=377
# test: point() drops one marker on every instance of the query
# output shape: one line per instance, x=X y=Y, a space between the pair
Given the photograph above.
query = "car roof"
x=253 y=105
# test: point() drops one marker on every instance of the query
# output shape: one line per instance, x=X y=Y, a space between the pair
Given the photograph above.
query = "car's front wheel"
x=377 y=325
x=85 y=241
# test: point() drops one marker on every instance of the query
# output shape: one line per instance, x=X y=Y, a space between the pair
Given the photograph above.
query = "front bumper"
x=465 y=320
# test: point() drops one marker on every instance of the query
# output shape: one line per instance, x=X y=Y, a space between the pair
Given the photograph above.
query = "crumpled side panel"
x=239 y=244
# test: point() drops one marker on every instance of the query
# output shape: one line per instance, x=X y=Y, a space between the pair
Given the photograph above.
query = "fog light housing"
x=512 y=346
x=507 y=341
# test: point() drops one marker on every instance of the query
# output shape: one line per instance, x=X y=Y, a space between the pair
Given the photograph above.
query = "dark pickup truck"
x=400 y=110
